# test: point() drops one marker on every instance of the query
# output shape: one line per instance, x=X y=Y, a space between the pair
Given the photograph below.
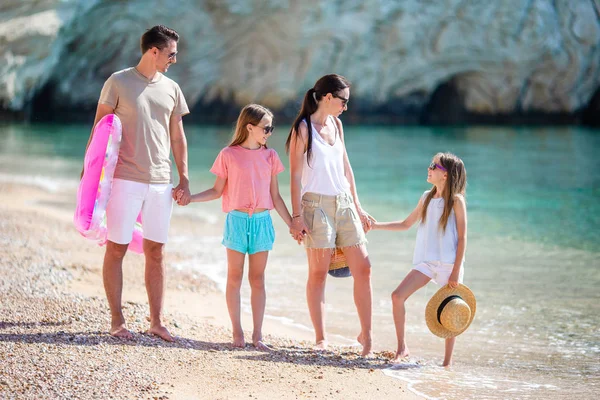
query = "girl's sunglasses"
x=267 y=129
x=433 y=166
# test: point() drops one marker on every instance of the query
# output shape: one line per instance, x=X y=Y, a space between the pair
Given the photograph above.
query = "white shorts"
x=438 y=272
x=126 y=200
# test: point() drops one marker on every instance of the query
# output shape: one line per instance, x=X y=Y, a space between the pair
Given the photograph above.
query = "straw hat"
x=338 y=267
x=450 y=311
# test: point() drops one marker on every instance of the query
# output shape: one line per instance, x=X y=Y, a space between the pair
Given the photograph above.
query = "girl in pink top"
x=246 y=173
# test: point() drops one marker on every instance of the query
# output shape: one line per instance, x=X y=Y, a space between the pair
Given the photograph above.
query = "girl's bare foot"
x=366 y=344
x=161 y=332
x=121 y=332
x=401 y=355
x=238 y=340
x=321 y=345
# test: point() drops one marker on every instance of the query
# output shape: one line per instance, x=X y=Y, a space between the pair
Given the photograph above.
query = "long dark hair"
x=331 y=83
x=455 y=184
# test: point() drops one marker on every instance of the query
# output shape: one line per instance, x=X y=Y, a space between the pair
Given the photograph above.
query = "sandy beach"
x=54 y=317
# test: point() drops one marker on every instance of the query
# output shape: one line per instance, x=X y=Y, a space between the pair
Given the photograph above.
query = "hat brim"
x=434 y=303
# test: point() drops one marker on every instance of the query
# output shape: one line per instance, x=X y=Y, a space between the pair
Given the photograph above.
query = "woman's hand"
x=298 y=229
x=374 y=223
x=365 y=219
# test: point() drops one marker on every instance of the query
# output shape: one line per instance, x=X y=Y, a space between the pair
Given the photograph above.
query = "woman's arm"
x=297 y=150
x=210 y=194
x=460 y=211
x=278 y=202
x=365 y=218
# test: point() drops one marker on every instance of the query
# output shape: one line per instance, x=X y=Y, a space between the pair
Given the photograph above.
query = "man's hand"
x=181 y=194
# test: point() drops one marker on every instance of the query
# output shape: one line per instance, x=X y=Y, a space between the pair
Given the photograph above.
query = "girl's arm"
x=297 y=149
x=365 y=218
x=460 y=211
x=278 y=202
x=400 y=225
x=210 y=194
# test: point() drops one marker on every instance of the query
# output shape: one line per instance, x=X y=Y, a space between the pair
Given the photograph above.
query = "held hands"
x=181 y=194
x=298 y=229
x=366 y=220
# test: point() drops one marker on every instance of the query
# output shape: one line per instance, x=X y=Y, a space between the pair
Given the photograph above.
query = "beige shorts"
x=332 y=220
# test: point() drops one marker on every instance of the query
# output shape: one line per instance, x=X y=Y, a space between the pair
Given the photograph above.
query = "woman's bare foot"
x=121 y=332
x=447 y=363
x=238 y=340
x=161 y=332
x=366 y=344
x=257 y=341
x=261 y=346
x=401 y=355
x=321 y=345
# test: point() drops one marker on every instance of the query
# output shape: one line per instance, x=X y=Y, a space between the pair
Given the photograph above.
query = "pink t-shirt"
x=248 y=174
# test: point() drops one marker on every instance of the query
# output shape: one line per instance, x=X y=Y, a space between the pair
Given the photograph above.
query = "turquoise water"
x=532 y=256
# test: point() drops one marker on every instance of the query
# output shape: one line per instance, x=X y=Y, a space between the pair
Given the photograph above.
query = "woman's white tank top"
x=433 y=244
x=325 y=174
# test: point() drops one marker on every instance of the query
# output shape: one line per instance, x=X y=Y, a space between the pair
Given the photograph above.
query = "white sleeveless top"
x=325 y=174
x=433 y=244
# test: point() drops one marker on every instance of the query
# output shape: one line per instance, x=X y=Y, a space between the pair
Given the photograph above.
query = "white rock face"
x=502 y=56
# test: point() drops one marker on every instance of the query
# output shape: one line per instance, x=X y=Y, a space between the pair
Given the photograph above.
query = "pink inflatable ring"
x=94 y=189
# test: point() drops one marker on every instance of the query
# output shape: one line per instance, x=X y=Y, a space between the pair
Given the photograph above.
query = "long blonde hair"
x=456 y=183
x=250 y=114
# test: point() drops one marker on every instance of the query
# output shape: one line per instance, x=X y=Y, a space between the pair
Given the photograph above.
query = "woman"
x=325 y=205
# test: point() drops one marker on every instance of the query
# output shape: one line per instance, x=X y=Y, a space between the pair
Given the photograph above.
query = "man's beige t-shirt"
x=144 y=107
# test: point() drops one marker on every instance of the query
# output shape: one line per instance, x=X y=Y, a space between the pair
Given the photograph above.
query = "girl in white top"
x=441 y=240
x=326 y=211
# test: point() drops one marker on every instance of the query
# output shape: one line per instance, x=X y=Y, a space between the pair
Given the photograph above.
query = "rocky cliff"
x=434 y=60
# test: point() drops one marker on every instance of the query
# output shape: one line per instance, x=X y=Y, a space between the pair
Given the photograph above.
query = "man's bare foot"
x=238 y=341
x=401 y=355
x=366 y=344
x=161 y=332
x=121 y=332
x=321 y=345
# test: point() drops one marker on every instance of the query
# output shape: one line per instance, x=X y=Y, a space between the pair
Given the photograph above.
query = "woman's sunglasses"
x=343 y=99
x=433 y=166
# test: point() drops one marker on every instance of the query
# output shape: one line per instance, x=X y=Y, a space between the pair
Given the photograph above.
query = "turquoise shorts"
x=249 y=234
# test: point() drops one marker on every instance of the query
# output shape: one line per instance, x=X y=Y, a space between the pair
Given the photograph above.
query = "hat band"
x=443 y=304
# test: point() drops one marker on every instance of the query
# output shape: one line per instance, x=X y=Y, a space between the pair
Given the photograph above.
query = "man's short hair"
x=158 y=36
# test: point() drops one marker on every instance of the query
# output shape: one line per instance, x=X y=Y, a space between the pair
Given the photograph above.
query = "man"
x=150 y=107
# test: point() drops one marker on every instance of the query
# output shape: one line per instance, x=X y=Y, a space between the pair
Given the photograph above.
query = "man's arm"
x=101 y=111
x=179 y=148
